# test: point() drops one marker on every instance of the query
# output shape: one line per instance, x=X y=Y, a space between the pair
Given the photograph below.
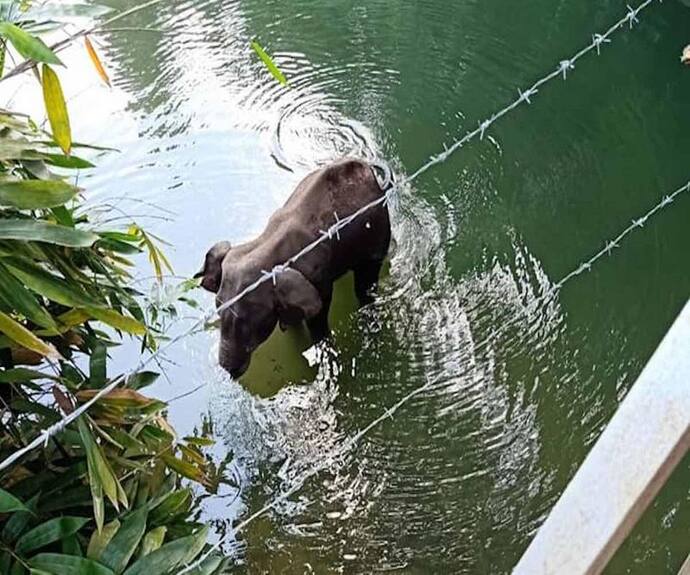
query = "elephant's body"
x=337 y=190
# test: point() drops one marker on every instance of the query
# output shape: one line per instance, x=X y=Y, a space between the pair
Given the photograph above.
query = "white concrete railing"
x=645 y=440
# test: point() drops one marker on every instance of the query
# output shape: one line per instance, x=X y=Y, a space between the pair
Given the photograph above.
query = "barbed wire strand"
x=352 y=442
x=332 y=232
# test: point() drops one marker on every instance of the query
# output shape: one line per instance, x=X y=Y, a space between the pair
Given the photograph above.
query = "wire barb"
x=483 y=126
x=275 y=272
x=610 y=246
x=598 y=40
x=564 y=66
x=527 y=94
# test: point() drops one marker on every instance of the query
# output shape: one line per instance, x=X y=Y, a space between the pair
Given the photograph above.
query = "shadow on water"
x=288 y=357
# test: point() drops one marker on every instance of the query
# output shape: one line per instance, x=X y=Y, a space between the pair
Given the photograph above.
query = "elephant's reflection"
x=284 y=358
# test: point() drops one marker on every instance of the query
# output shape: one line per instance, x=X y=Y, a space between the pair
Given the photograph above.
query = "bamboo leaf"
x=28 y=230
x=153 y=540
x=174 y=503
x=73 y=318
x=214 y=564
x=96 y=61
x=196 y=544
x=49 y=532
x=118 y=397
x=9 y=503
x=71 y=546
x=99 y=540
x=170 y=555
x=51 y=286
x=97 y=497
x=36 y=194
x=22 y=374
x=27 y=45
x=185 y=469
x=117 y=320
x=19 y=521
x=58 y=564
x=268 y=62
x=142 y=379
x=19 y=334
x=62 y=161
x=97 y=365
x=121 y=548
x=98 y=465
x=202 y=441
x=56 y=108
x=22 y=301
x=193 y=454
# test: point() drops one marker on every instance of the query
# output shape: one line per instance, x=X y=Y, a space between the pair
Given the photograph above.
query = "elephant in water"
x=303 y=291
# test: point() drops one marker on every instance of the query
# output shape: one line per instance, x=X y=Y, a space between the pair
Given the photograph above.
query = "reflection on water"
x=519 y=386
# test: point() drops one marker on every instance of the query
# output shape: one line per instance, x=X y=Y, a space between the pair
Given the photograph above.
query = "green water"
x=459 y=480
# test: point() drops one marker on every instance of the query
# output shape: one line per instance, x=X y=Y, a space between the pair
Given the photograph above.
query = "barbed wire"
x=352 y=442
x=333 y=232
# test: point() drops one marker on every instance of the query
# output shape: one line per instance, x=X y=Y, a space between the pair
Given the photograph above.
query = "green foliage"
x=27 y=45
x=268 y=62
x=110 y=493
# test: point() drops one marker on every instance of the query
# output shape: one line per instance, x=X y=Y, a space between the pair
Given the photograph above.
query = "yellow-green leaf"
x=126 y=398
x=193 y=454
x=185 y=469
x=99 y=540
x=203 y=441
x=152 y=540
x=96 y=61
x=268 y=62
x=56 y=108
x=117 y=320
x=98 y=465
x=98 y=501
x=18 y=333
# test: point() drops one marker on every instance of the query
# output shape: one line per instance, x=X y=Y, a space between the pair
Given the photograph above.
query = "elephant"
x=302 y=291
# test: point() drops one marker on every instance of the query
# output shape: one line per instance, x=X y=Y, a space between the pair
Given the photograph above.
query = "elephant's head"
x=247 y=323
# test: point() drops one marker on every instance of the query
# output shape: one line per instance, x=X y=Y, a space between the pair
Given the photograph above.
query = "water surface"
x=520 y=385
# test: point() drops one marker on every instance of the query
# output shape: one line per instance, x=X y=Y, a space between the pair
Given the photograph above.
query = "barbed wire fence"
x=333 y=232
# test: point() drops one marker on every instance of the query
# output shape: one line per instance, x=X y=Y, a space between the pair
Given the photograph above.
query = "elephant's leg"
x=366 y=279
x=318 y=325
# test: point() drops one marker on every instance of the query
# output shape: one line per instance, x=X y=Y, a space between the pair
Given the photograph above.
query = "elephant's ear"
x=212 y=270
x=296 y=297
